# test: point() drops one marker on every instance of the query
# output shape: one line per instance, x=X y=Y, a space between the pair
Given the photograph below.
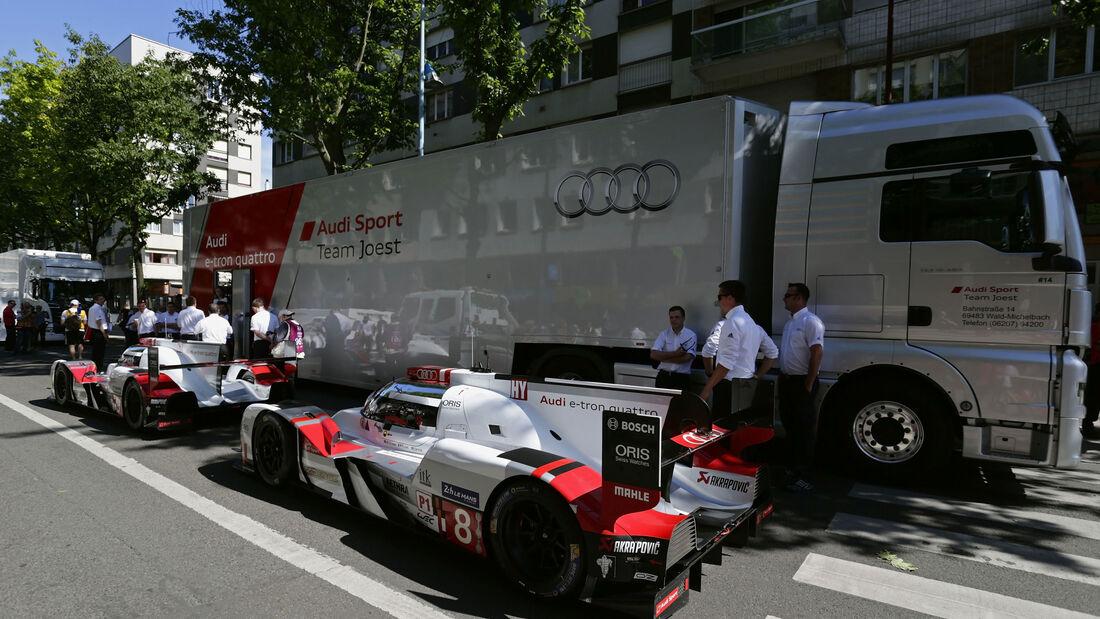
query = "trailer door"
x=242 y=302
x=976 y=295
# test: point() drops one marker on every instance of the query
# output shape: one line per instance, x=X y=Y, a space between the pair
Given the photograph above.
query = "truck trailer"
x=49 y=280
x=938 y=239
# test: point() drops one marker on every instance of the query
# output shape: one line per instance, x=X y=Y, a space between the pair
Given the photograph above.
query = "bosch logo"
x=601 y=189
x=635 y=426
x=612 y=424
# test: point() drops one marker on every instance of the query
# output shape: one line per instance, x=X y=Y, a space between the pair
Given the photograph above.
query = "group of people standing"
x=729 y=359
x=25 y=326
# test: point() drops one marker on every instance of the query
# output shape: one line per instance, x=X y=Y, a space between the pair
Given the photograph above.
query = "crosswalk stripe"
x=981 y=511
x=991 y=552
x=924 y=595
x=1059 y=496
x=1059 y=476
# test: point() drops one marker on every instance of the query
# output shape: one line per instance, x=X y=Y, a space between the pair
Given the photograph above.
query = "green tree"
x=1083 y=12
x=497 y=64
x=330 y=74
x=30 y=195
x=129 y=141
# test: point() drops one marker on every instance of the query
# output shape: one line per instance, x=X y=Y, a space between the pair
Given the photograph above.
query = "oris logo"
x=601 y=190
x=630 y=451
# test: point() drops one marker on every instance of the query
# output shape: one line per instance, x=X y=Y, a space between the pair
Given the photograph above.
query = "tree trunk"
x=136 y=250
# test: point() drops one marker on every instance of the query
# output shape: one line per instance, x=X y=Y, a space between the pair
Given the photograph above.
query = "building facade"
x=648 y=53
x=236 y=164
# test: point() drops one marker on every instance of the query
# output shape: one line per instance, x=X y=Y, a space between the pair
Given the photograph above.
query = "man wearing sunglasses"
x=733 y=381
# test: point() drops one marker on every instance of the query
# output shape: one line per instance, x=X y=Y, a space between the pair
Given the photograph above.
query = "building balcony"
x=796 y=33
x=645 y=73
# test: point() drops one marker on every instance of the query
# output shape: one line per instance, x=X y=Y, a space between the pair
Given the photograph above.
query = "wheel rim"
x=535 y=540
x=888 y=432
x=269 y=449
x=132 y=407
x=61 y=387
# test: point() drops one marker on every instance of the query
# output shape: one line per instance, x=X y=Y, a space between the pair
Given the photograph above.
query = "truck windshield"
x=1003 y=211
x=60 y=291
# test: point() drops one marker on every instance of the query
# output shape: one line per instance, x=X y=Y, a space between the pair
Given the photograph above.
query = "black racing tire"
x=892 y=430
x=135 y=411
x=274 y=451
x=536 y=540
x=62 y=386
x=574 y=367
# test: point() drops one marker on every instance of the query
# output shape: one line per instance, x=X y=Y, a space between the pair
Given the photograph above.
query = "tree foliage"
x=1082 y=12
x=116 y=146
x=501 y=68
x=330 y=74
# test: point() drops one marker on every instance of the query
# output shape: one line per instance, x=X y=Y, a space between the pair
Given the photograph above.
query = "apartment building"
x=647 y=53
x=237 y=164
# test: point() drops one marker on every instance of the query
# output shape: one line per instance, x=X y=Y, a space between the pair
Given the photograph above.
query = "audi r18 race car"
x=163 y=383
x=614 y=494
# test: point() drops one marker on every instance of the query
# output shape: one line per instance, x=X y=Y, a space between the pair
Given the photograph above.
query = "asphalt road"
x=103 y=523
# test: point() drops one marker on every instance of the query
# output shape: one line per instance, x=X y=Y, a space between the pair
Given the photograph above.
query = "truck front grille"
x=682 y=542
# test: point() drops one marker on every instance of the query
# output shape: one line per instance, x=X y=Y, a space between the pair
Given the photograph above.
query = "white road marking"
x=981 y=511
x=1055 y=476
x=987 y=551
x=1058 y=496
x=303 y=557
x=923 y=595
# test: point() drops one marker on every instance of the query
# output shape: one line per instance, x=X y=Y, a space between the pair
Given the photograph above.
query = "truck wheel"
x=573 y=367
x=274 y=451
x=62 y=386
x=134 y=410
x=536 y=540
x=892 y=431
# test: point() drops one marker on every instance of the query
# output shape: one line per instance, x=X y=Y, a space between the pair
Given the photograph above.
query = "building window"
x=244 y=151
x=579 y=67
x=222 y=175
x=244 y=178
x=219 y=151
x=440 y=105
x=546 y=84
x=284 y=152
x=215 y=92
x=153 y=227
x=160 y=257
x=177 y=227
x=630 y=5
x=1055 y=53
x=439 y=50
x=935 y=76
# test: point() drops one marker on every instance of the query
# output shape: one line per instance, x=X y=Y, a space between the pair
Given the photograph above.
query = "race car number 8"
x=461 y=526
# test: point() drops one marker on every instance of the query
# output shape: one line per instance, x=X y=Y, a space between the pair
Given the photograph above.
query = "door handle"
x=920 y=315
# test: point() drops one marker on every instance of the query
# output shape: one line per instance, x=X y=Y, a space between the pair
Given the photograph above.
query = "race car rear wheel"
x=134 y=410
x=274 y=451
x=536 y=540
x=62 y=386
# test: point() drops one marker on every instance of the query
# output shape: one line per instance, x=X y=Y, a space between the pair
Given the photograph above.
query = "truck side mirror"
x=1054 y=227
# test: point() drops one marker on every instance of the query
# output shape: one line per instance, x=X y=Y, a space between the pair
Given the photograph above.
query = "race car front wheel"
x=274 y=451
x=536 y=540
x=134 y=410
x=62 y=386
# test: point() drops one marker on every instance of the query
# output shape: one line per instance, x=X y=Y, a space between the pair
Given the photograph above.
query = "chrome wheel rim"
x=888 y=432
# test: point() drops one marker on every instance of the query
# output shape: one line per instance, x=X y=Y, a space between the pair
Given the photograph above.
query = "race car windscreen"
x=405 y=404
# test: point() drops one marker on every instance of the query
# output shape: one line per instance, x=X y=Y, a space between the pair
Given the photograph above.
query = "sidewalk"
x=38 y=362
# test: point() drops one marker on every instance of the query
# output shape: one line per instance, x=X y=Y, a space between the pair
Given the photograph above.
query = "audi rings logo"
x=426 y=374
x=603 y=189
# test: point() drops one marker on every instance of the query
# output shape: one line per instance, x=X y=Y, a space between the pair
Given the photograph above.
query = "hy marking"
x=923 y=595
x=303 y=557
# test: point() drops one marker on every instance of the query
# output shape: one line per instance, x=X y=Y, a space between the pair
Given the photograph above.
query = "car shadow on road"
x=476 y=588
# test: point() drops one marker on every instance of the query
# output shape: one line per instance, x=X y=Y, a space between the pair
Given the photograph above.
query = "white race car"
x=610 y=493
x=163 y=383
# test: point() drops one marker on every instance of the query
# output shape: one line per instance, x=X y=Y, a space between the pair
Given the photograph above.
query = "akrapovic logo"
x=709 y=479
x=637 y=547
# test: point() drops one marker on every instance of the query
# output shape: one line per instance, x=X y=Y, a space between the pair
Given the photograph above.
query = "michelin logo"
x=461 y=495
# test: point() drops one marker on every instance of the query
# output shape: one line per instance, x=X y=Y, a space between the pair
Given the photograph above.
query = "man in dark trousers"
x=97 y=320
x=9 y=326
x=800 y=355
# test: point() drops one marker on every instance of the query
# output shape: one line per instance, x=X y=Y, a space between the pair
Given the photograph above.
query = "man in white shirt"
x=734 y=378
x=803 y=347
x=215 y=328
x=168 y=321
x=97 y=320
x=263 y=330
x=188 y=318
x=144 y=320
x=675 y=349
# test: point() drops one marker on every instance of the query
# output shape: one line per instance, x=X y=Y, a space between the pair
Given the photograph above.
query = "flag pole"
x=422 y=59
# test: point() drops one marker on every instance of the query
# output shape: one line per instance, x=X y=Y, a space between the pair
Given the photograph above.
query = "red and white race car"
x=163 y=383
x=614 y=494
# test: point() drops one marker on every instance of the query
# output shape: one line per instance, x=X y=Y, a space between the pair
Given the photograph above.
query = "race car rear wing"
x=639 y=455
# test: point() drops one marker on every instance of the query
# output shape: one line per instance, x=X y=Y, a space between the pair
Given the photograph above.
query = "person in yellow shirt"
x=74 y=329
